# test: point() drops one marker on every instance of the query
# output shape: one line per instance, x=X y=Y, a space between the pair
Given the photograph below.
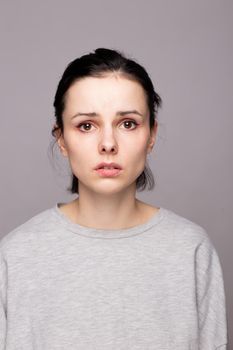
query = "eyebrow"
x=93 y=114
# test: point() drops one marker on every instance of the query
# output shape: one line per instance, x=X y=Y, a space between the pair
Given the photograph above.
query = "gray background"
x=187 y=48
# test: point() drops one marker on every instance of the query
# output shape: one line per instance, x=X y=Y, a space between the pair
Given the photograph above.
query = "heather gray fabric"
x=156 y=286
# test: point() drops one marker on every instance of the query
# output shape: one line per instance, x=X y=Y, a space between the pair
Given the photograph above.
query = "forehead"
x=108 y=91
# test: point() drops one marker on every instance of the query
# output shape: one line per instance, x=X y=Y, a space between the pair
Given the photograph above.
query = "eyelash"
x=125 y=121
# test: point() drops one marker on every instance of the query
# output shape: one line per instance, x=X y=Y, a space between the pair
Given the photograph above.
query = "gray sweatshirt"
x=155 y=286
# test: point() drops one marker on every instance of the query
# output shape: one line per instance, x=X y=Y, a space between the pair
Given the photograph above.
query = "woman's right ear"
x=61 y=142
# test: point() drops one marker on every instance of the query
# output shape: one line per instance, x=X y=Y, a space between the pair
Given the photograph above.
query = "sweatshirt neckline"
x=107 y=233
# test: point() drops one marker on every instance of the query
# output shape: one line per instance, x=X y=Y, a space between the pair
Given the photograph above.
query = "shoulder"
x=26 y=231
x=182 y=228
x=187 y=237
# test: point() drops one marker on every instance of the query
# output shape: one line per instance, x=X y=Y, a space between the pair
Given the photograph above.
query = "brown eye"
x=130 y=122
x=84 y=124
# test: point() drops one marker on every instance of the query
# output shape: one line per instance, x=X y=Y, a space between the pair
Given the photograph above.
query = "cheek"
x=136 y=147
x=138 y=153
x=75 y=152
x=72 y=142
x=80 y=153
x=135 y=157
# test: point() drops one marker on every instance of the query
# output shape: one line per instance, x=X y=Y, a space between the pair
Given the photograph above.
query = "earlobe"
x=150 y=144
x=152 y=137
x=61 y=145
x=150 y=147
x=60 y=140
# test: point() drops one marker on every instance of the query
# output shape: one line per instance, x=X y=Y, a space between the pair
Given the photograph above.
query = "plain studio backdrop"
x=187 y=49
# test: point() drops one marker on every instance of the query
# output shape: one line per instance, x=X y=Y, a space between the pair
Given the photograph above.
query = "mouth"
x=108 y=166
x=108 y=172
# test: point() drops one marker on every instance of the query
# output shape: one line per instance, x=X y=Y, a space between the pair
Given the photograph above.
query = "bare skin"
x=145 y=212
x=107 y=203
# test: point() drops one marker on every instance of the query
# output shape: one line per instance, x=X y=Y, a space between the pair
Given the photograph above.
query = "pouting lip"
x=114 y=165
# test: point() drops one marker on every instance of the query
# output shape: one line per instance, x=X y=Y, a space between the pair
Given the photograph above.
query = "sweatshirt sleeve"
x=2 y=303
x=210 y=298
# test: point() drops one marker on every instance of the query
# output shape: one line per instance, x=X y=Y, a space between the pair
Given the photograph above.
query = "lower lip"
x=108 y=172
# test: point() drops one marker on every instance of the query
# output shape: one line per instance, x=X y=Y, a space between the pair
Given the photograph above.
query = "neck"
x=109 y=211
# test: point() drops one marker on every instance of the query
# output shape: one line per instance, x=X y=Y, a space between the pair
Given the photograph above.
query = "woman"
x=108 y=271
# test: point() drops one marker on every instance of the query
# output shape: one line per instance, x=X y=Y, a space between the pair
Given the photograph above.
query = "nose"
x=108 y=143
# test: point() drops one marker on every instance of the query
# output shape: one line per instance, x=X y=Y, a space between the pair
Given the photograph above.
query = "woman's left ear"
x=152 y=138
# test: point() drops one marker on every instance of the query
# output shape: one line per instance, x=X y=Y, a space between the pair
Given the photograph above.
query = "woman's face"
x=117 y=130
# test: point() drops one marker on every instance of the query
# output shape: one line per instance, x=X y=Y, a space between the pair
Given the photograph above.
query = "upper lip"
x=103 y=164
